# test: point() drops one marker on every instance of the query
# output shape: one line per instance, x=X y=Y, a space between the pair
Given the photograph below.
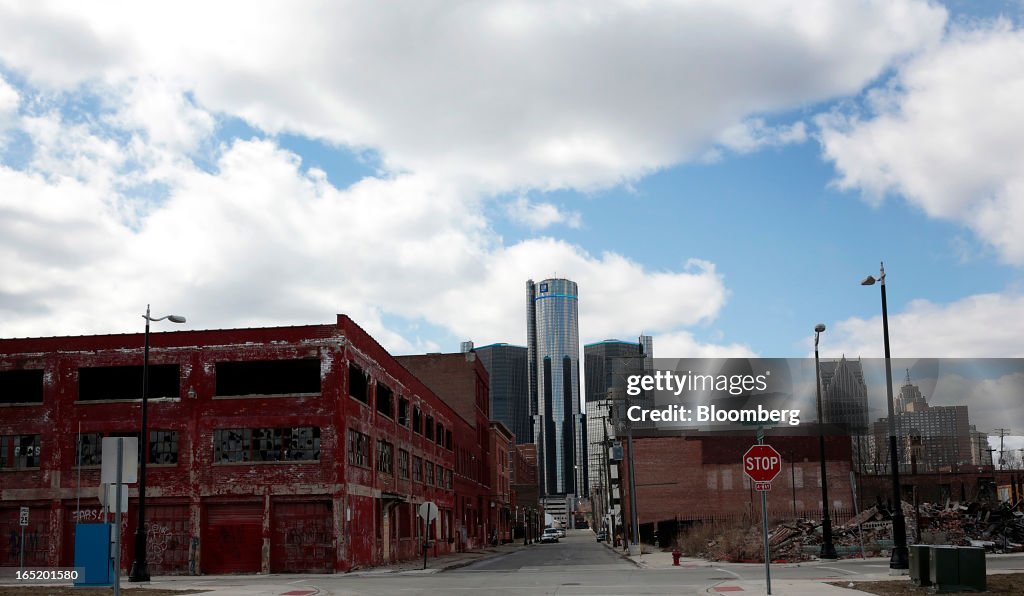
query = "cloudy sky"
x=718 y=175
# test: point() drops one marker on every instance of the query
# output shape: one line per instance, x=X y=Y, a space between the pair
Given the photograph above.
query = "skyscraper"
x=606 y=365
x=510 y=394
x=553 y=348
x=844 y=395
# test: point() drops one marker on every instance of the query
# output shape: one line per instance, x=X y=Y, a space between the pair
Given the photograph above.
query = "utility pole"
x=1002 y=432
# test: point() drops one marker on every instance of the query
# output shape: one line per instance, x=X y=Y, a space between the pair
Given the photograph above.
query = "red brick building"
x=680 y=480
x=502 y=498
x=461 y=381
x=279 y=449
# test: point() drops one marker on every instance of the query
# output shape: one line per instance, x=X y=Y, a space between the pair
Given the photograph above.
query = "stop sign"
x=762 y=463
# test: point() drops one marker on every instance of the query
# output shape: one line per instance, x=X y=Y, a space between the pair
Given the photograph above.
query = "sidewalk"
x=444 y=562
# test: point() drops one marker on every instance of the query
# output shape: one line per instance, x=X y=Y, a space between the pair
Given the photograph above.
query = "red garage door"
x=302 y=537
x=232 y=538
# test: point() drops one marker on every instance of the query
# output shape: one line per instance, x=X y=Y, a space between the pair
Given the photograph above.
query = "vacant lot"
x=1011 y=583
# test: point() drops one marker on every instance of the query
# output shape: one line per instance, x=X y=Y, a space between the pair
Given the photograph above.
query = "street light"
x=828 y=550
x=900 y=556
x=140 y=569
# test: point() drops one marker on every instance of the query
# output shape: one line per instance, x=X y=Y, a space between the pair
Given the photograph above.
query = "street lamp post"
x=140 y=569
x=900 y=556
x=828 y=550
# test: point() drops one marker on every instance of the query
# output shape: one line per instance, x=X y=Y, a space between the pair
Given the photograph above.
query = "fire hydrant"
x=675 y=557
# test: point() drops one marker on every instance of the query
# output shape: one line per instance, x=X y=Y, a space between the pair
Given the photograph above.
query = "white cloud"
x=9 y=100
x=947 y=135
x=753 y=134
x=682 y=344
x=504 y=95
x=979 y=326
x=538 y=216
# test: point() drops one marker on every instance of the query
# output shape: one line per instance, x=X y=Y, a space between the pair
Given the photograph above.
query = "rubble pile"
x=998 y=528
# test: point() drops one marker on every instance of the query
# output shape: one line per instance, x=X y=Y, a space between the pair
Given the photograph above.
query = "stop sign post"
x=762 y=463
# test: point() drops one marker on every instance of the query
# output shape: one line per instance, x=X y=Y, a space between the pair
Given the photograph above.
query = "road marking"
x=728 y=589
x=298 y=581
x=736 y=575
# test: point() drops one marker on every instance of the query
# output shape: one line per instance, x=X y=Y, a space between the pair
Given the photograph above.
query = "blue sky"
x=718 y=176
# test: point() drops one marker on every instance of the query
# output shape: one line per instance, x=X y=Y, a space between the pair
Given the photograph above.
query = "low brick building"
x=685 y=479
x=284 y=449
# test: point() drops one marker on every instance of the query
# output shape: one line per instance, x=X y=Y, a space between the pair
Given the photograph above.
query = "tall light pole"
x=900 y=556
x=828 y=550
x=140 y=569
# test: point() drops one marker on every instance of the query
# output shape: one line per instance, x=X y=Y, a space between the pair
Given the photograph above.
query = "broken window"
x=403 y=411
x=417 y=416
x=358 y=449
x=90 y=447
x=358 y=386
x=21 y=387
x=385 y=456
x=163 y=447
x=403 y=463
x=19 y=451
x=439 y=435
x=384 y=400
x=125 y=382
x=268 y=377
x=429 y=427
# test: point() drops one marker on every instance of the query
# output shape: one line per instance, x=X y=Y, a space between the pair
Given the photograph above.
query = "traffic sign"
x=428 y=511
x=762 y=486
x=762 y=463
x=23 y=517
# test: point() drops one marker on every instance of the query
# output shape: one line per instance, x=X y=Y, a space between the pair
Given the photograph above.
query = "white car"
x=561 y=532
x=549 y=535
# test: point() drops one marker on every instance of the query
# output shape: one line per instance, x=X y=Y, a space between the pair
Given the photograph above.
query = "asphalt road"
x=576 y=566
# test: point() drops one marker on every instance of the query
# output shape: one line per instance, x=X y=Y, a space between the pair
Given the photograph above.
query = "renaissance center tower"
x=553 y=349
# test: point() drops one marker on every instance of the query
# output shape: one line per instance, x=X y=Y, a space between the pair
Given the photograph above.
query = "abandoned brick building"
x=283 y=449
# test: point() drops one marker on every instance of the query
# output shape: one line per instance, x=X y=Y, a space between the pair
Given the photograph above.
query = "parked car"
x=549 y=535
x=602 y=535
x=561 y=532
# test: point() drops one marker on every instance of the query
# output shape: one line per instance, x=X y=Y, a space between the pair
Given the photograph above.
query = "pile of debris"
x=997 y=528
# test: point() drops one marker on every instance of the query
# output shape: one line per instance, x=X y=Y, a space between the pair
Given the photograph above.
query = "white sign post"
x=428 y=511
x=23 y=522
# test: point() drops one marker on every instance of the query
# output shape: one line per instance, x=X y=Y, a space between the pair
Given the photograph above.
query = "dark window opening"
x=403 y=411
x=19 y=451
x=358 y=385
x=417 y=417
x=439 y=435
x=268 y=377
x=385 y=399
x=125 y=382
x=448 y=440
x=429 y=428
x=21 y=387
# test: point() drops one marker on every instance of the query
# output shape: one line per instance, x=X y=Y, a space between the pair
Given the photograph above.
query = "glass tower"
x=553 y=348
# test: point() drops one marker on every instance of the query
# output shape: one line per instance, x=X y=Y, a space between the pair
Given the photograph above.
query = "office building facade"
x=510 y=392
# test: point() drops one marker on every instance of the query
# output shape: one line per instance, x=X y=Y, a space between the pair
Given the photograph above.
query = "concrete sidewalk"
x=444 y=562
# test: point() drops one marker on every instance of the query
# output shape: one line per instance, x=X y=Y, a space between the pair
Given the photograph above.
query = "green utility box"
x=972 y=568
x=919 y=564
x=956 y=569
